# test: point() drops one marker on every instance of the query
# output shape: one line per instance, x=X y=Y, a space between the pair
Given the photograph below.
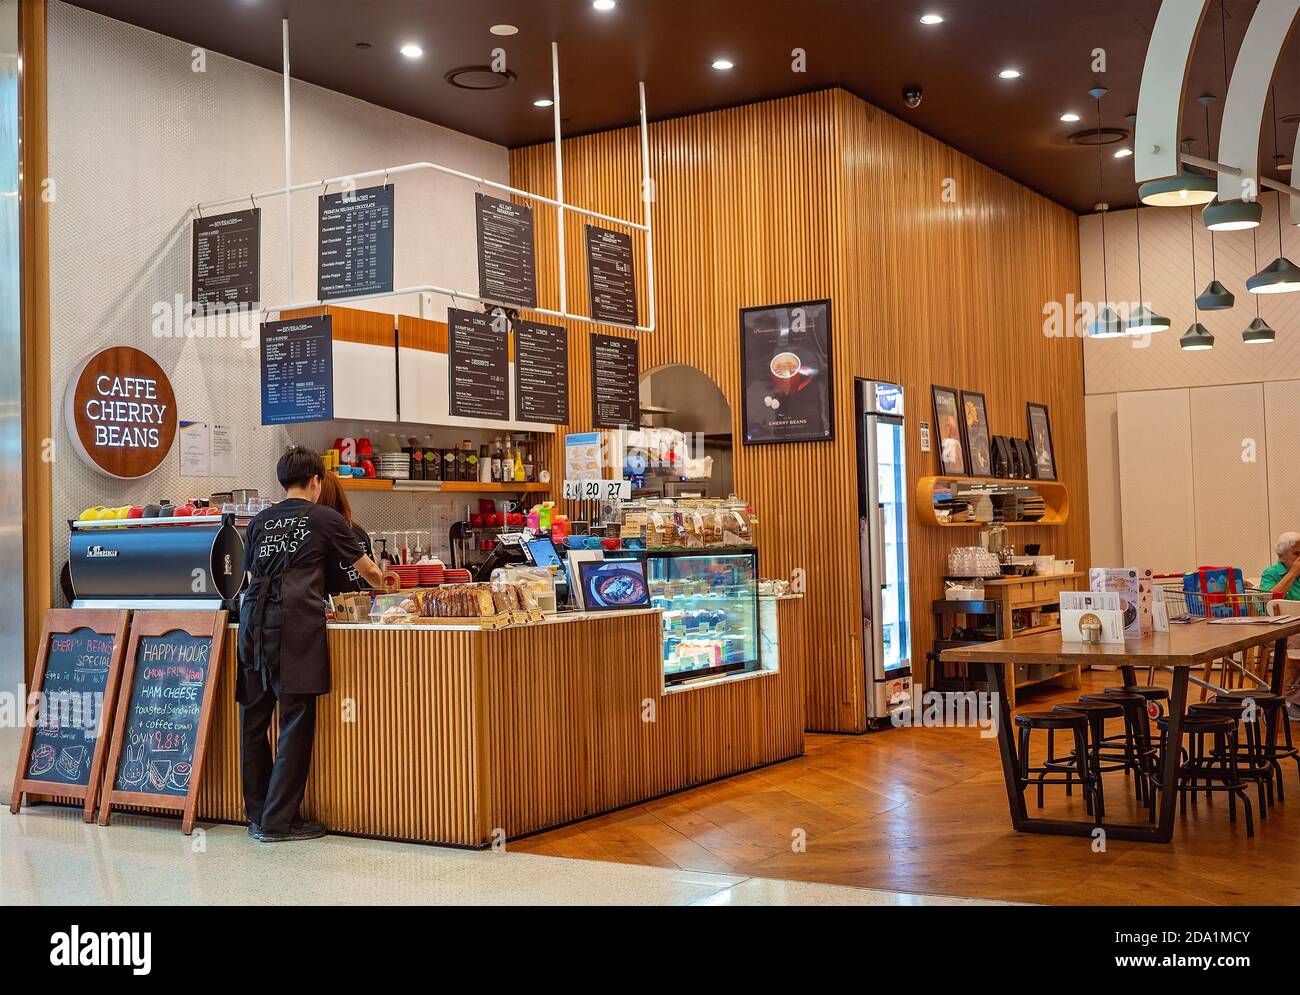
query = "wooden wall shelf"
x=440 y=487
x=1056 y=499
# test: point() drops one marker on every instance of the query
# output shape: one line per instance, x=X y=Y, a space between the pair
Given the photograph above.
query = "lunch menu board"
x=354 y=254
x=541 y=373
x=507 y=263
x=162 y=713
x=615 y=382
x=611 y=278
x=226 y=264
x=297 y=370
x=478 y=366
x=70 y=719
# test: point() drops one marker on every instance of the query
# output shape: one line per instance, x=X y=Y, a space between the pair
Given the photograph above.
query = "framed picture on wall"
x=1040 y=440
x=785 y=369
x=947 y=426
x=975 y=433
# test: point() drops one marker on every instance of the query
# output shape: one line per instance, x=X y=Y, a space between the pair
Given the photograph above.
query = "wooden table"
x=1178 y=651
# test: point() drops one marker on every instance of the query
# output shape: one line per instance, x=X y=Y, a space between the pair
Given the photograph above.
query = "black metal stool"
x=1257 y=767
x=1073 y=722
x=1273 y=707
x=1132 y=750
x=1096 y=712
x=1196 y=763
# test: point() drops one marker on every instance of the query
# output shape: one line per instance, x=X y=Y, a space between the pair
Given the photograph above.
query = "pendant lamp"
x=1259 y=332
x=1215 y=297
x=1233 y=215
x=1107 y=324
x=1192 y=187
x=1280 y=276
x=1197 y=336
x=1142 y=320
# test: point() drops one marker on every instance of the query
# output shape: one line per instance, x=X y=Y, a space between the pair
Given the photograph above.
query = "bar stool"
x=1064 y=720
x=1195 y=763
x=1096 y=712
x=1257 y=768
x=1273 y=707
x=1132 y=750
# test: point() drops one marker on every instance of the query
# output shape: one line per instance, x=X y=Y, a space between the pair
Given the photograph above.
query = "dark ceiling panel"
x=872 y=47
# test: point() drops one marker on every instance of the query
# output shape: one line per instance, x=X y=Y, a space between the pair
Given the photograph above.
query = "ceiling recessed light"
x=603 y=4
x=723 y=64
x=505 y=30
x=1069 y=117
x=931 y=19
x=411 y=50
x=1123 y=153
x=1010 y=74
x=544 y=102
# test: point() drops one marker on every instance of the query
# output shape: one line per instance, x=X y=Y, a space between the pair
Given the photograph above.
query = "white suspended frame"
x=646 y=226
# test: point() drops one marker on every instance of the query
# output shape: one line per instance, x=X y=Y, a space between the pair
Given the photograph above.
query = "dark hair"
x=298 y=466
x=332 y=496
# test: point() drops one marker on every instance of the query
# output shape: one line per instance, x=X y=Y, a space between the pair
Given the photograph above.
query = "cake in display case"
x=709 y=599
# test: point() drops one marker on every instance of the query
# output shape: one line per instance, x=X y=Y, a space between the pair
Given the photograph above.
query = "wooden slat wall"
x=352 y=324
x=822 y=195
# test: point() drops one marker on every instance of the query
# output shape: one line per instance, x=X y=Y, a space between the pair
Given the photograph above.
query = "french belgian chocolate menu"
x=507 y=264
x=226 y=262
x=478 y=366
x=354 y=254
x=541 y=373
x=615 y=382
x=611 y=278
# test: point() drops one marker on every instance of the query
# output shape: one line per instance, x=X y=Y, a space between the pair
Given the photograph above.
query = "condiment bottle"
x=470 y=456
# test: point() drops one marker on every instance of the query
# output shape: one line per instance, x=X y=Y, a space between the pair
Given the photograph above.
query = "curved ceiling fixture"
x=1156 y=163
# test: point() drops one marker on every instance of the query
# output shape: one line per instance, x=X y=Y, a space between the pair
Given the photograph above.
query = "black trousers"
x=273 y=791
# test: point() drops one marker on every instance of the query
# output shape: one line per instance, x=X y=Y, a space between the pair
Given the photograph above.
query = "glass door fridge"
x=882 y=535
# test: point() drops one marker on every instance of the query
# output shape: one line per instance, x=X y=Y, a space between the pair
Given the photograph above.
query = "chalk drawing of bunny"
x=133 y=769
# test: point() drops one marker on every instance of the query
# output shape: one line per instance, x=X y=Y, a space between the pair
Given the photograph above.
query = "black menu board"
x=297 y=370
x=478 y=366
x=226 y=262
x=507 y=264
x=611 y=278
x=541 y=373
x=354 y=254
x=69 y=722
x=785 y=359
x=162 y=711
x=615 y=382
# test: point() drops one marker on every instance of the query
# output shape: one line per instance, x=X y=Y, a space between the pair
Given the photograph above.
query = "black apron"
x=278 y=643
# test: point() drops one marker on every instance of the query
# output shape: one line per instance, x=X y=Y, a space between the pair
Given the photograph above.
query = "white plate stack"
x=392 y=466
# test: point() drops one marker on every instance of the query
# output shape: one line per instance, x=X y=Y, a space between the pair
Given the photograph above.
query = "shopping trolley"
x=1192 y=606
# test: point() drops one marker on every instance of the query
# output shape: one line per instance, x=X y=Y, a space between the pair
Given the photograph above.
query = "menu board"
x=69 y=719
x=611 y=278
x=541 y=373
x=785 y=358
x=354 y=253
x=478 y=365
x=507 y=263
x=615 y=382
x=162 y=712
x=297 y=370
x=226 y=263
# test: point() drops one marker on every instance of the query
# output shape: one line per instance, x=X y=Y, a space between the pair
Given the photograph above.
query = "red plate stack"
x=431 y=574
x=410 y=575
x=457 y=576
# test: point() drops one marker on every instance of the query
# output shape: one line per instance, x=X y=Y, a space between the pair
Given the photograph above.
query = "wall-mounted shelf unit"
x=439 y=486
x=1055 y=497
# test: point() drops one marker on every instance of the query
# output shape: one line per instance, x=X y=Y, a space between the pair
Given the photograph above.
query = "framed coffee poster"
x=1040 y=441
x=785 y=357
x=947 y=425
x=975 y=430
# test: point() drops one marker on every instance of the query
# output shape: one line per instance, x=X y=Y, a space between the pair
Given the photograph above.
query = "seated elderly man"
x=1282 y=580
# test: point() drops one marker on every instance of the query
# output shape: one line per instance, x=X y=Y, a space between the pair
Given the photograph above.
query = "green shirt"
x=1273 y=575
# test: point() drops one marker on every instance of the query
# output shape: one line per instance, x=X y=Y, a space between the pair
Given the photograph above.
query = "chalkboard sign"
x=611 y=277
x=615 y=382
x=161 y=728
x=225 y=266
x=541 y=373
x=74 y=689
x=478 y=365
x=507 y=268
x=354 y=254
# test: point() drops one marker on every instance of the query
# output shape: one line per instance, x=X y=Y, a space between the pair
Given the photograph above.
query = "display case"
x=709 y=599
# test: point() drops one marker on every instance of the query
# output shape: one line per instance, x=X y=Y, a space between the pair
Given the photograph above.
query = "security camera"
x=912 y=96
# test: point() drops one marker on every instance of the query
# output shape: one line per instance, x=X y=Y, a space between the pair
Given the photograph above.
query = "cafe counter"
x=469 y=737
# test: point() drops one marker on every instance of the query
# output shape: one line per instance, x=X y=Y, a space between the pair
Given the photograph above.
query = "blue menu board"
x=354 y=252
x=297 y=370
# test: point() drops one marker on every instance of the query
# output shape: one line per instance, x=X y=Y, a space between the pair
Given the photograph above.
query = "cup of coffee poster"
x=785 y=354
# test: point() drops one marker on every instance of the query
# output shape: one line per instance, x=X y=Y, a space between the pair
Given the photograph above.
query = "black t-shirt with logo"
x=288 y=549
x=342 y=576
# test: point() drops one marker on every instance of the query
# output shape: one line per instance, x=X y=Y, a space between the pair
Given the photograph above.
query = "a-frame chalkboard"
x=70 y=708
x=160 y=733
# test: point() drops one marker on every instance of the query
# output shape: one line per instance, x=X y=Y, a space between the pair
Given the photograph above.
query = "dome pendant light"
x=1233 y=215
x=1197 y=337
x=1280 y=276
x=1107 y=324
x=1190 y=188
x=1142 y=320
x=1259 y=332
x=1216 y=296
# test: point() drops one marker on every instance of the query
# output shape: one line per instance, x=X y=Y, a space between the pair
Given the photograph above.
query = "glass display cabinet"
x=709 y=599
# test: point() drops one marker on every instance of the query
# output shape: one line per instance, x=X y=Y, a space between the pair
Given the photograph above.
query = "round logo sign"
x=120 y=412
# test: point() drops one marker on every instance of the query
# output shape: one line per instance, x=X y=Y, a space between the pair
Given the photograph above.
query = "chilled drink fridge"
x=882 y=532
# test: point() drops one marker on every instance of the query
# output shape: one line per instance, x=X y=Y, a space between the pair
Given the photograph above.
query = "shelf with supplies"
x=1053 y=495
x=441 y=486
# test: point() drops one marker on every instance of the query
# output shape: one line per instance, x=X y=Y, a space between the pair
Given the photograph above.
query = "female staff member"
x=340 y=577
x=283 y=653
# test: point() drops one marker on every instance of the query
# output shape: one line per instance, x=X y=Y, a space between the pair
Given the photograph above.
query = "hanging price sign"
x=597 y=490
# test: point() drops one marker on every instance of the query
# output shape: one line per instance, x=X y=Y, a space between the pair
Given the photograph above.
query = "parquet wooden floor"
x=925 y=811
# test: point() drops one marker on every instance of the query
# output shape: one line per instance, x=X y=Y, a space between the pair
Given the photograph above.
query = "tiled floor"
x=49 y=856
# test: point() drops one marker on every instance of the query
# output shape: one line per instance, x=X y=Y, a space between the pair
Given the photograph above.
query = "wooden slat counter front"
x=459 y=737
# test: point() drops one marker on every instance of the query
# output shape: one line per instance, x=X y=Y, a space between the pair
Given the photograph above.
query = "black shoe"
x=253 y=829
x=303 y=830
